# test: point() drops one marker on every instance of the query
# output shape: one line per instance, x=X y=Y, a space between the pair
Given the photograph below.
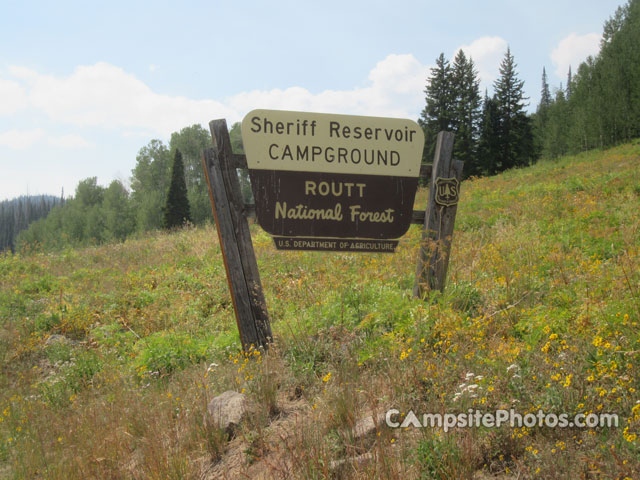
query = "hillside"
x=108 y=355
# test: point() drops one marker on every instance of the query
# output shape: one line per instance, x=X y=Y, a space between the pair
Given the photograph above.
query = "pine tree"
x=465 y=95
x=568 y=95
x=541 y=117
x=488 y=142
x=176 y=210
x=515 y=132
x=437 y=114
x=545 y=99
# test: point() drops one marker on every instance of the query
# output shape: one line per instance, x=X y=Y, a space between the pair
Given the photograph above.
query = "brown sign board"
x=338 y=179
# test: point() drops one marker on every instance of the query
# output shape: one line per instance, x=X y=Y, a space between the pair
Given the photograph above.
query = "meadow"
x=109 y=354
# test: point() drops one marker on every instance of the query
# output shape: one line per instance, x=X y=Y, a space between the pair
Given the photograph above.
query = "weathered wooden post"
x=439 y=220
x=220 y=166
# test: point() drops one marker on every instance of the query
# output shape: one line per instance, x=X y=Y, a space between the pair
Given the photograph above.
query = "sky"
x=84 y=85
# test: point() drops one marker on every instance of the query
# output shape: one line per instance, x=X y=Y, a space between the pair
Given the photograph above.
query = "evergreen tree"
x=438 y=112
x=541 y=117
x=18 y=214
x=515 y=132
x=176 y=210
x=545 y=98
x=466 y=111
x=191 y=141
x=488 y=142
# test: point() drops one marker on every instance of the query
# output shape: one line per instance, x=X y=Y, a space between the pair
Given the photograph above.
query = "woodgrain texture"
x=433 y=258
x=235 y=239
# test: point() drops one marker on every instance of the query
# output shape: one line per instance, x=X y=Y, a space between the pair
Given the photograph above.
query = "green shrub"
x=162 y=353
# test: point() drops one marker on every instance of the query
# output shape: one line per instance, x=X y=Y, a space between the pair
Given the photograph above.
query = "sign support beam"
x=433 y=258
x=243 y=277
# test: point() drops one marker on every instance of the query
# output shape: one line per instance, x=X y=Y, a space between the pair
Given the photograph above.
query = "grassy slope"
x=541 y=312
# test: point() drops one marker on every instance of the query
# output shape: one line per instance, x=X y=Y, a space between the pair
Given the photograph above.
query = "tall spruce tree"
x=466 y=102
x=176 y=210
x=438 y=112
x=515 y=132
x=545 y=98
x=541 y=117
x=489 y=140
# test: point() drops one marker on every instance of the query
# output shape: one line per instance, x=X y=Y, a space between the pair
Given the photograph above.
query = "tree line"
x=168 y=189
x=17 y=214
x=599 y=106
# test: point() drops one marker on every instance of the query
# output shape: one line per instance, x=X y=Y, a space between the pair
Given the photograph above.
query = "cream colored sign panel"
x=319 y=142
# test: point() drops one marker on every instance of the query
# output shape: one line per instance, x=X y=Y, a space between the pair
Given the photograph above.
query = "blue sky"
x=85 y=85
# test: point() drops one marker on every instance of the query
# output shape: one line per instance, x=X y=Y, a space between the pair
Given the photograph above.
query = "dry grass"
x=541 y=312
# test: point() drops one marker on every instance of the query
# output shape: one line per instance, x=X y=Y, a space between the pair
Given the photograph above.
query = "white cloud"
x=69 y=141
x=106 y=96
x=20 y=139
x=487 y=53
x=12 y=97
x=395 y=89
x=402 y=74
x=23 y=73
x=573 y=50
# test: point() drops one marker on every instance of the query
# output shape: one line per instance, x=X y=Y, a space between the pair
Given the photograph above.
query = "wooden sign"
x=334 y=180
x=230 y=211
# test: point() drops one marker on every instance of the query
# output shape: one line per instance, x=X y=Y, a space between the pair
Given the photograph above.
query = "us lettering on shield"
x=447 y=191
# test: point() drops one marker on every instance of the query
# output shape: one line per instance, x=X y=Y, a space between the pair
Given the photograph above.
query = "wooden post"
x=439 y=220
x=249 y=304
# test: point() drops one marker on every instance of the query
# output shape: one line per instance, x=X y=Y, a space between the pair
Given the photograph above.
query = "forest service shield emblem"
x=447 y=191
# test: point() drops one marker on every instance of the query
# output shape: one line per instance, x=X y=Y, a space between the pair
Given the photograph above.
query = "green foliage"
x=162 y=353
x=437 y=115
x=93 y=216
x=18 y=214
x=119 y=217
x=150 y=182
x=176 y=209
x=438 y=457
x=540 y=309
x=466 y=108
x=371 y=308
x=96 y=214
x=465 y=297
x=601 y=103
x=113 y=336
x=489 y=141
x=74 y=371
x=515 y=135
x=192 y=141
